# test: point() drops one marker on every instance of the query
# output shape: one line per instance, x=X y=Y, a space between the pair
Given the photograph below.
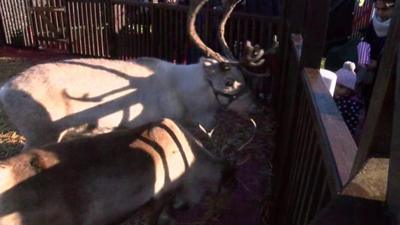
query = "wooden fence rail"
x=125 y=29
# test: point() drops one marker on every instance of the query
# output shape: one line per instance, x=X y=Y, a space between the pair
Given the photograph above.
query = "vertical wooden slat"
x=125 y=30
x=26 y=14
x=269 y=35
x=92 y=26
x=136 y=30
x=130 y=29
x=96 y=28
x=161 y=32
x=43 y=18
x=52 y=33
x=10 y=14
x=324 y=189
x=76 y=26
x=253 y=30
x=71 y=20
x=245 y=30
x=306 y=178
x=301 y=169
x=109 y=19
x=8 y=20
x=6 y=29
x=117 y=29
x=262 y=31
x=57 y=32
x=175 y=33
x=133 y=34
x=23 y=23
x=169 y=38
x=182 y=40
x=238 y=37
x=2 y=32
x=35 y=25
x=14 y=17
x=83 y=16
x=79 y=27
x=147 y=38
x=142 y=25
x=300 y=129
x=63 y=24
x=102 y=28
x=315 y=182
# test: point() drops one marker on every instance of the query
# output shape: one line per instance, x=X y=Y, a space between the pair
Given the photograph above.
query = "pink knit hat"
x=346 y=75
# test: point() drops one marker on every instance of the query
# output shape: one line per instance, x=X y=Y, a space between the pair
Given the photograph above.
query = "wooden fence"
x=315 y=148
x=124 y=29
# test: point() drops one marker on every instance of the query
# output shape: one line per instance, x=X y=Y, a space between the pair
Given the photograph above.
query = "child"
x=346 y=98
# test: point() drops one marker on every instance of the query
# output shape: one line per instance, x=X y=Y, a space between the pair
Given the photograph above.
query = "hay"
x=10 y=141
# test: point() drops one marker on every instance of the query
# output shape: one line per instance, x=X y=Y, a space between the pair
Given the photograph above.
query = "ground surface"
x=245 y=204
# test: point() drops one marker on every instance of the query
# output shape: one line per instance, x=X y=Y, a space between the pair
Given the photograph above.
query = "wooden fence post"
x=381 y=90
x=316 y=25
x=2 y=34
x=295 y=13
x=112 y=47
x=393 y=191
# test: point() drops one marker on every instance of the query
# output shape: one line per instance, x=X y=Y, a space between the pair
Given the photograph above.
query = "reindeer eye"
x=229 y=83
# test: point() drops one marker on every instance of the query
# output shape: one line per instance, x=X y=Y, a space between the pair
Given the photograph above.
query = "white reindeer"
x=103 y=94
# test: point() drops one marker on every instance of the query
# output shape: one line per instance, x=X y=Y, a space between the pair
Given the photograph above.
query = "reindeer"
x=104 y=179
x=104 y=94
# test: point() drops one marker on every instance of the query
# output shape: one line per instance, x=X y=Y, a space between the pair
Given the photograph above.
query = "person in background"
x=347 y=99
x=375 y=38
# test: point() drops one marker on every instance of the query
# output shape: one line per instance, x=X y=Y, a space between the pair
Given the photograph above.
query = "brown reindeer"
x=104 y=179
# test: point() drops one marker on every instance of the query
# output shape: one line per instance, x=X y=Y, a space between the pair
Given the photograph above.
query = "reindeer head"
x=225 y=74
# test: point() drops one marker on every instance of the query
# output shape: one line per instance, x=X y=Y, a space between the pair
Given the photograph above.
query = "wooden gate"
x=17 y=25
x=50 y=24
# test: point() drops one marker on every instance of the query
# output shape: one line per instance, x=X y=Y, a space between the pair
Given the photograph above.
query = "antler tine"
x=194 y=9
x=221 y=29
x=252 y=56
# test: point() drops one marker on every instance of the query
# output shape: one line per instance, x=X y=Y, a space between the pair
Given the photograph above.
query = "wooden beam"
x=316 y=25
x=393 y=191
x=380 y=92
x=2 y=33
x=338 y=146
x=294 y=12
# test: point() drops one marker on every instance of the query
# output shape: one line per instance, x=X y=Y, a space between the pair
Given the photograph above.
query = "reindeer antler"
x=252 y=56
x=194 y=9
x=231 y=4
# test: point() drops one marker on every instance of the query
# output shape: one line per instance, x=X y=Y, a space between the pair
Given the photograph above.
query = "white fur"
x=49 y=98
